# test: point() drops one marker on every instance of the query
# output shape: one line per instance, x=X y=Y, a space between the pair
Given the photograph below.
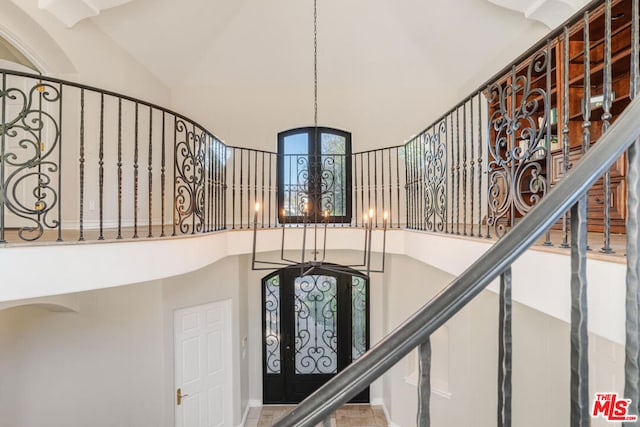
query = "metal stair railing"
x=415 y=331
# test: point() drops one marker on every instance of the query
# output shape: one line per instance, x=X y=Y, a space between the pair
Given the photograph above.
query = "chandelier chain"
x=314 y=196
x=315 y=64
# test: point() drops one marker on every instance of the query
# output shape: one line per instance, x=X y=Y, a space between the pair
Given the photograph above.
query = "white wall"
x=122 y=339
x=465 y=358
x=93 y=58
x=147 y=259
x=111 y=363
x=98 y=367
x=17 y=27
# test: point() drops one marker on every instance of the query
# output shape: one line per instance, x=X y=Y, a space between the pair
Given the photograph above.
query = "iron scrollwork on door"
x=517 y=123
x=316 y=339
x=435 y=177
x=190 y=178
x=272 y=324
x=30 y=144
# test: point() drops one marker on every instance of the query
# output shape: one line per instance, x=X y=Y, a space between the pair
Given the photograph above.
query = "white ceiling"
x=70 y=12
x=552 y=13
x=244 y=68
x=360 y=41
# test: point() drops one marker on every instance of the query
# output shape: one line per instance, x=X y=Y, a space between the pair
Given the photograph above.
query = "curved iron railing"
x=486 y=162
x=134 y=167
x=129 y=169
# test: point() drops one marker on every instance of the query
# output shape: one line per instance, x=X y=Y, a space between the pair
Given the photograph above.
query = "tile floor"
x=347 y=416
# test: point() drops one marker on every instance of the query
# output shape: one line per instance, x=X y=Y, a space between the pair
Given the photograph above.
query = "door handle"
x=180 y=396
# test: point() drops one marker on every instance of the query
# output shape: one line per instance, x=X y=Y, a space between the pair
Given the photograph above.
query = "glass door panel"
x=272 y=324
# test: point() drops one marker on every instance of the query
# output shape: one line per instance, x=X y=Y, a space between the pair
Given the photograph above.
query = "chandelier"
x=313 y=222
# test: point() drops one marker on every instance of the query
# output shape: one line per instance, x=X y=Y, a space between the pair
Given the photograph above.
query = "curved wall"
x=541 y=279
x=111 y=361
x=83 y=53
x=123 y=334
x=26 y=35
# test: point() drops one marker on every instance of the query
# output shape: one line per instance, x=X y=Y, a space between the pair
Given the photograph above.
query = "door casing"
x=287 y=386
x=203 y=365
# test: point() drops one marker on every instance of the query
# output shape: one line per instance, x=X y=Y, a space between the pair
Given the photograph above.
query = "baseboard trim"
x=244 y=416
x=386 y=414
x=250 y=404
x=94 y=224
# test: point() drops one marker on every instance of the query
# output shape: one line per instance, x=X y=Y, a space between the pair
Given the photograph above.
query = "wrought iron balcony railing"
x=80 y=163
x=483 y=165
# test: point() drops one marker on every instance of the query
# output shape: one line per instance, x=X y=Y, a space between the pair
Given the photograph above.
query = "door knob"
x=180 y=396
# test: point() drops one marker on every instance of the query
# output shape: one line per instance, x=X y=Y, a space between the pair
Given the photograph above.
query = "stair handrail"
x=418 y=328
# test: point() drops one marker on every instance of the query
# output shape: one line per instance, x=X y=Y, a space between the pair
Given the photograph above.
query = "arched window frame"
x=324 y=176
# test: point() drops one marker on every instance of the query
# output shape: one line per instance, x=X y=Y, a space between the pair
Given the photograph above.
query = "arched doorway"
x=12 y=58
x=314 y=326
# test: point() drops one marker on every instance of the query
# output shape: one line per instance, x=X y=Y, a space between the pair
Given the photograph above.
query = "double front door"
x=314 y=327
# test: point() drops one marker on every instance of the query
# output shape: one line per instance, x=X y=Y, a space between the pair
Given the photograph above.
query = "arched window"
x=314 y=175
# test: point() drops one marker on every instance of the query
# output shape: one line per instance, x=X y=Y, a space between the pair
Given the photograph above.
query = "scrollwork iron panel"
x=314 y=175
x=296 y=184
x=190 y=153
x=331 y=197
x=315 y=312
x=272 y=325
x=323 y=189
x=517 y=122
x=435 y=177
x=31 y=142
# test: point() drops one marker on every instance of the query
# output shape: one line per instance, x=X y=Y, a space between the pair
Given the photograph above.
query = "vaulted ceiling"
x=400 y=62
x=358 y=39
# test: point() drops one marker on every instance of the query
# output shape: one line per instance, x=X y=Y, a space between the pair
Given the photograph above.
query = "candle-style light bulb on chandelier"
x=307 y=266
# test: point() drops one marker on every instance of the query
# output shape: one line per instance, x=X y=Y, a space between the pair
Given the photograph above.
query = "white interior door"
x=203 y=365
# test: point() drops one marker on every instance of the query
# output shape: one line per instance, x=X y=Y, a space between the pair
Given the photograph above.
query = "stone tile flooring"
x=347 y=416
